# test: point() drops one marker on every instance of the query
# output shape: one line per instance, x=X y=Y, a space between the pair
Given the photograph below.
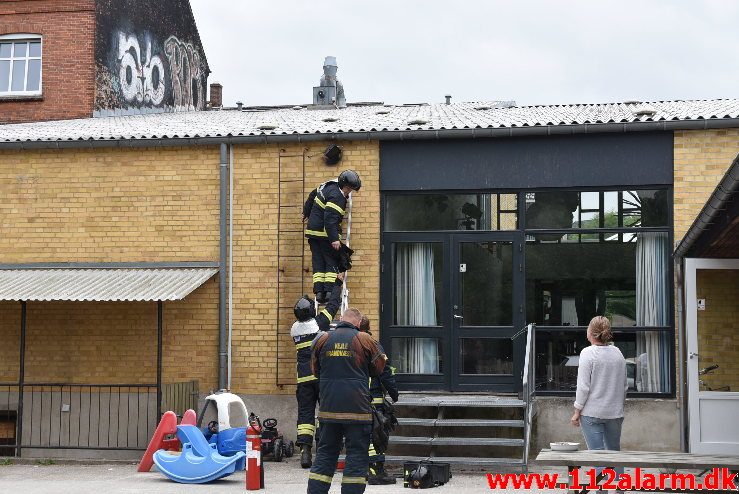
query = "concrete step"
x=462 y=401
x=458 y=441
x=454 y=460
x=460 y=422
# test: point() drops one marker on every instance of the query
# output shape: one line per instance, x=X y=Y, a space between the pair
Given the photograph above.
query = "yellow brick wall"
x=10 y=330
x=109 y=205
x=701 y=160
x=255 y=342
x=717 y=326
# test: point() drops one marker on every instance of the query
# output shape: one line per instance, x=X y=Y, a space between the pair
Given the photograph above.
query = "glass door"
x=487 y=310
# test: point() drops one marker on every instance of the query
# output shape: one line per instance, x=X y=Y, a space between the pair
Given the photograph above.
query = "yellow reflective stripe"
x=306 y=379
x=318 y=276
x=353 y=480
x=377 y=401
x=305 y=344
x=372 y=451
x=336 y=207
x=316 y=233
x=392 y=370
x=345 y=415
x=372 y=470
x=306 y=429
x=319 y=477
x=329 y=277
x=320 y=203
x=327 y=314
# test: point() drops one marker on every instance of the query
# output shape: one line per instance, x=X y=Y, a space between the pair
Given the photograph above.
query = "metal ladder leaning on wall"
x=292 y=264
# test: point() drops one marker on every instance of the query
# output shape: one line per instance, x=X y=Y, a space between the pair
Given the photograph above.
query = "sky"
x=271 y=52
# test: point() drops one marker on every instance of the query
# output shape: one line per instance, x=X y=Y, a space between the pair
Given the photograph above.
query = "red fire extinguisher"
x=254 y=470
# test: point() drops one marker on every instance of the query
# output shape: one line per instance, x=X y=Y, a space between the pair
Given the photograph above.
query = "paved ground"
x=281 y=478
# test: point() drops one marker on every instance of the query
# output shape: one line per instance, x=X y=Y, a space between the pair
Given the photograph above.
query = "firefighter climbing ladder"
x=293 y=256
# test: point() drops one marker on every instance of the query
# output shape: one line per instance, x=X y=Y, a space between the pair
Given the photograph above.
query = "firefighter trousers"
x=357 y=437
x=307 y=395
x=325 y=262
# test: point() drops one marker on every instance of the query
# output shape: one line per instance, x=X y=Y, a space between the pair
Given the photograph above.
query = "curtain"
x=652 y=364
x=415 y=304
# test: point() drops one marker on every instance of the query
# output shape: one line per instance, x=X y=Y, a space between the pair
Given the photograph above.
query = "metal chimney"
x=239 y=105
x=330 y=91
x=448 y=98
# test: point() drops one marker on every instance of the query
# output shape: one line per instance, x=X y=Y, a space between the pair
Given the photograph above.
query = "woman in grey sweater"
x=601 y=389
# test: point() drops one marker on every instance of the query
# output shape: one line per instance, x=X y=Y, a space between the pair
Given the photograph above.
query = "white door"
x=712 y=330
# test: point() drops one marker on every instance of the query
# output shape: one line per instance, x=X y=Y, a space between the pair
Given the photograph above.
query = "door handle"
x=456 y=316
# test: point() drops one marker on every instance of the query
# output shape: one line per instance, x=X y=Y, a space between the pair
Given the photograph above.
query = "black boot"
x=306 y=458
x=322 y=297
x=378 y=475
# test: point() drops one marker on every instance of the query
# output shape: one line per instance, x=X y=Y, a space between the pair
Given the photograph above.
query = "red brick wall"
x=68 y=67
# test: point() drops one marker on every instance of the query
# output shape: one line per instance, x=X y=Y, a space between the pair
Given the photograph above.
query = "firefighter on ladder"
x=385 y=383
x=304 y=330
x=324 y=210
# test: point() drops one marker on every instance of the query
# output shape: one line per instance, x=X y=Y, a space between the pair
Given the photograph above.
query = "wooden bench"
x=638 y=459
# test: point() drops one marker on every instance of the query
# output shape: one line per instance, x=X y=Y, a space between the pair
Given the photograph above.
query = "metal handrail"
x=528 y=386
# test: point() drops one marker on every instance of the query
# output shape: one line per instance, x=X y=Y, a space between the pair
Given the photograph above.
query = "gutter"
x=384 y=135
x=715 y=204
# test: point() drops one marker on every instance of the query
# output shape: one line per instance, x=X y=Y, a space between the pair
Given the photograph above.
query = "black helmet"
x=350 y=178
x=304 y=309
x=420 y=478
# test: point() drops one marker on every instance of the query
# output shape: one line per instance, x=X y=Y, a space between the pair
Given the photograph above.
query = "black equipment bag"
x=344 y=256
x=425 y=474
x=383 y=424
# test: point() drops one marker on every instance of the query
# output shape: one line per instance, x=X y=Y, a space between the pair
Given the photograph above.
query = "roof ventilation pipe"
x=330 y=92
x=448 y=98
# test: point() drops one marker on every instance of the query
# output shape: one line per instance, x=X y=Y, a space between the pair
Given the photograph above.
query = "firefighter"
x=324 y=210
x=303 y=331
x=344 y=359
x=378 y=387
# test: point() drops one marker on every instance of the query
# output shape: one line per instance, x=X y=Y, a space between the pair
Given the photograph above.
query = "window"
x=591 y=253
x=426 y=212
x=20 y=65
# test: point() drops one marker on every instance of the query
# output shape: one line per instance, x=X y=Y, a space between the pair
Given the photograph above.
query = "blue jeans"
x=602 y=434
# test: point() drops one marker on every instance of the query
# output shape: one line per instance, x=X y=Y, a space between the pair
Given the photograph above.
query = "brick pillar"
x=216 y=95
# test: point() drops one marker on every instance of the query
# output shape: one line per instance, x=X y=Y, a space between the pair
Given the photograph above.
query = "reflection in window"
x=567 y=284
x=486 y=356
x=417 y=283
x=558 y=353
x=426 y=212
x=416 y=355
x=486 y=285
x=597 y=209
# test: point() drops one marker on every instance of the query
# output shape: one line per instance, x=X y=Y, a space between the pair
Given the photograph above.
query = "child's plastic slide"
x=199 y=461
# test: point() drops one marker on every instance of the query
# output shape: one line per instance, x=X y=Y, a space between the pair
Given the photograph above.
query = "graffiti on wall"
x=148 y=57
x=185 y=68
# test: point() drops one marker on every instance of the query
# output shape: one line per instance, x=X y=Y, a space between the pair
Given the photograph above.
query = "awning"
x=99 y=285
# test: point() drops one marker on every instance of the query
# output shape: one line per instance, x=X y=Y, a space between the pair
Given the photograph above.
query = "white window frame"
x=14 y=38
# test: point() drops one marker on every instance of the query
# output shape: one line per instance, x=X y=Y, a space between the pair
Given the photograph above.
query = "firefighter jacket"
x=385 y=383
x=304 y=332
x=344 y=359
x=325 y=209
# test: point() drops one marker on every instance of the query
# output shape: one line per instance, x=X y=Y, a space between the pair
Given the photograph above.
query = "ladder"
x=291 y=262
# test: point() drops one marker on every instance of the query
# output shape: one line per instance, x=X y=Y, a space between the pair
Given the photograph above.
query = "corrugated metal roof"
x=99 y=285
x=374 y=119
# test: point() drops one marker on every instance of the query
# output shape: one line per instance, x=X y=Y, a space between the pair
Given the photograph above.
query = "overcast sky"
x=267 y=52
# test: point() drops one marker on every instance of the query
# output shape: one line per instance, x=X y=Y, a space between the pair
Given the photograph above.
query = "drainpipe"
x=222 y=329
x=682 y=388
x=230 y=255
